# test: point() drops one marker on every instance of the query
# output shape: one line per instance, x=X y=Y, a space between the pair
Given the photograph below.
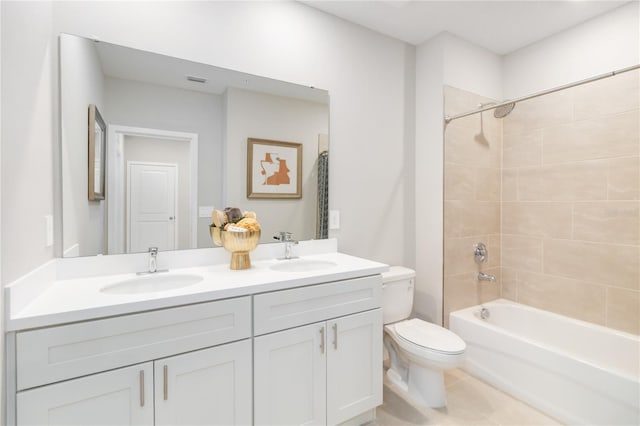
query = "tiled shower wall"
x=569 y=231
x=570 y=202
x=472 y=185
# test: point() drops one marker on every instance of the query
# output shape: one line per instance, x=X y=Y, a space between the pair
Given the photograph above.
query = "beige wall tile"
x=464 y=290
x=624 y=179
x=468 y=218
x=545 y=111
x=564 y=170
x=458 y=255
x=610 y=264
x=459 y=258
x=509 y=184
x=596 y=138
x=494 y=249
x=488 y=184
x=607 y=222
x=522 y=253
x=464 y=145
x=563 y=296
x=537 y=219
x=623 y=309
x=607 y=96
x=509 y=284
x=459 y=182
x=522 y=149
x=585 y=180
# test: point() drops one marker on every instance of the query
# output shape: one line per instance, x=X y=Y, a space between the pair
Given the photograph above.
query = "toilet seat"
x=430 y=336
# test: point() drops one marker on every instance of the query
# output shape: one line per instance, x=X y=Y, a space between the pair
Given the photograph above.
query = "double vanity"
x=286 y=342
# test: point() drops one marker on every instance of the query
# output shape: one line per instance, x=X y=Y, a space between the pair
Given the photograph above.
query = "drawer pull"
x=335 y=336
x=322 y=340
x=142 y=388
x=165 y=373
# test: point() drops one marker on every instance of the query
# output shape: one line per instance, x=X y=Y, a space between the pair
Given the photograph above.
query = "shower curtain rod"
x=448 y=119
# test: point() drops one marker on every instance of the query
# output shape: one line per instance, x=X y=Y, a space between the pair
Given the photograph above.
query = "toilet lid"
x=430 y=336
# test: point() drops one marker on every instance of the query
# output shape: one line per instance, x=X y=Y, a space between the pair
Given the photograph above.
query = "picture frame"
x=97 y=131
x=274 y=169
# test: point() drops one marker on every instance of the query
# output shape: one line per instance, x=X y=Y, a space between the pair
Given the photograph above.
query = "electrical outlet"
x=205 y=211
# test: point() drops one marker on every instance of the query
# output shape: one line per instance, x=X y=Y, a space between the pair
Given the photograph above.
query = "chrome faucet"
x=484 y=313
x=286 y=238
x=481 y=255
x=153 y=259
x=486 y=277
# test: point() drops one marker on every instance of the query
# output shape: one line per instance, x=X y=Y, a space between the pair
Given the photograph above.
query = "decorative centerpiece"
x=237 y=232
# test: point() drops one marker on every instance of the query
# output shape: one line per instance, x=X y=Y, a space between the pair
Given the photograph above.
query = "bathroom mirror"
x=176 y=147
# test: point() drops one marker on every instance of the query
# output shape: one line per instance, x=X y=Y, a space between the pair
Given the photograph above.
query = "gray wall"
x=364 y=73
x=132 y=103
x=263 y=116
x=83 y=84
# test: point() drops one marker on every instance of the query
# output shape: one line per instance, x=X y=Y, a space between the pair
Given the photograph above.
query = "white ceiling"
x=500 y=26
x=138 y=65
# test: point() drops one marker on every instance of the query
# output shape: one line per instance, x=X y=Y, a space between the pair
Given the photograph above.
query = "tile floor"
x=469 y=402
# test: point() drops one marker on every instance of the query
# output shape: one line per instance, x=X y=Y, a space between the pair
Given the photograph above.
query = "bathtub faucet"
x=484 y=313
x=486 y=277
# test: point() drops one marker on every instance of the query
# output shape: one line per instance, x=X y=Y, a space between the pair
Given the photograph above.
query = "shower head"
x=503 y=110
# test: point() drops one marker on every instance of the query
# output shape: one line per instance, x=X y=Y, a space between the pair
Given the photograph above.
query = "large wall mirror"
x=176 y=147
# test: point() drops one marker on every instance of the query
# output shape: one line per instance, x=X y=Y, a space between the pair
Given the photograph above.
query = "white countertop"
x=79 y=299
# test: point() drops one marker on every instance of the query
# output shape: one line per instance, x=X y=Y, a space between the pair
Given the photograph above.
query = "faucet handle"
x=153 y=251
x=284 y=236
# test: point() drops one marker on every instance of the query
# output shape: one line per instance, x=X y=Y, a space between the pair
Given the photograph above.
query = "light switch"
x=334 y=219
x=205 y=211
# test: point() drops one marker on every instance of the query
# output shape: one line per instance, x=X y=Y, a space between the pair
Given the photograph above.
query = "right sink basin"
x=302 y=265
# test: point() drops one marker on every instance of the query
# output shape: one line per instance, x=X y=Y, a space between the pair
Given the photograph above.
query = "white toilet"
x=419 y=351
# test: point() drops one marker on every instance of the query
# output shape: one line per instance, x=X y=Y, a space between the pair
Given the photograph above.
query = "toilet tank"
x=397 y=293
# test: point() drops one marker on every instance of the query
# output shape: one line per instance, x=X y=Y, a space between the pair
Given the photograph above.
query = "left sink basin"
x=152 y=283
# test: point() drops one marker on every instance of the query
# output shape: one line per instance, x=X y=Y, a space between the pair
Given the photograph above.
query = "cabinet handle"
x=142 y=388
x=335 y=336
x=165 y=373
x=322 y=340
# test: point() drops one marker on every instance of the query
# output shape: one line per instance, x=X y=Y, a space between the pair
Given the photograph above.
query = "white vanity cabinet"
x=297 y=354
x=206 y=387
x=92 y=373
x=321 y=373
x=112 y=398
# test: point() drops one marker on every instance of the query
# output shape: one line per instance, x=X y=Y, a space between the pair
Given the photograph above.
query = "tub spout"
x=486 y=277
x=484 y=313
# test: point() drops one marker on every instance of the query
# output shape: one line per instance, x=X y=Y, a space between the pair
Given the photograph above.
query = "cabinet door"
x=206 y=387
x=119 y=397
x=354 y=365
x=290 y=377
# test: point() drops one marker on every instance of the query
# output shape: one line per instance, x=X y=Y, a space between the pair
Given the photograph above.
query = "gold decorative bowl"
x=238 y=243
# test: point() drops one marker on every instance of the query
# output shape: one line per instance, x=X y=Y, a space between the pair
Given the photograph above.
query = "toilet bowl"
x=419 y=351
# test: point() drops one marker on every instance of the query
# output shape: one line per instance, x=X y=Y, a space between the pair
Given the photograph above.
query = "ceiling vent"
x=196 y=79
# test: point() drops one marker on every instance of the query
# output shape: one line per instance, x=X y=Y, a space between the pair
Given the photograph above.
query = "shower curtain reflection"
x=322 y=231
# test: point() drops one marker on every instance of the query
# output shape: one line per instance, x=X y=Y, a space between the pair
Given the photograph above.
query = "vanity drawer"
x=58 y=353
x=283 y=309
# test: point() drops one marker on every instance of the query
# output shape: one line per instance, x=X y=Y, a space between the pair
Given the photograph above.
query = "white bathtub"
x=577 y=372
